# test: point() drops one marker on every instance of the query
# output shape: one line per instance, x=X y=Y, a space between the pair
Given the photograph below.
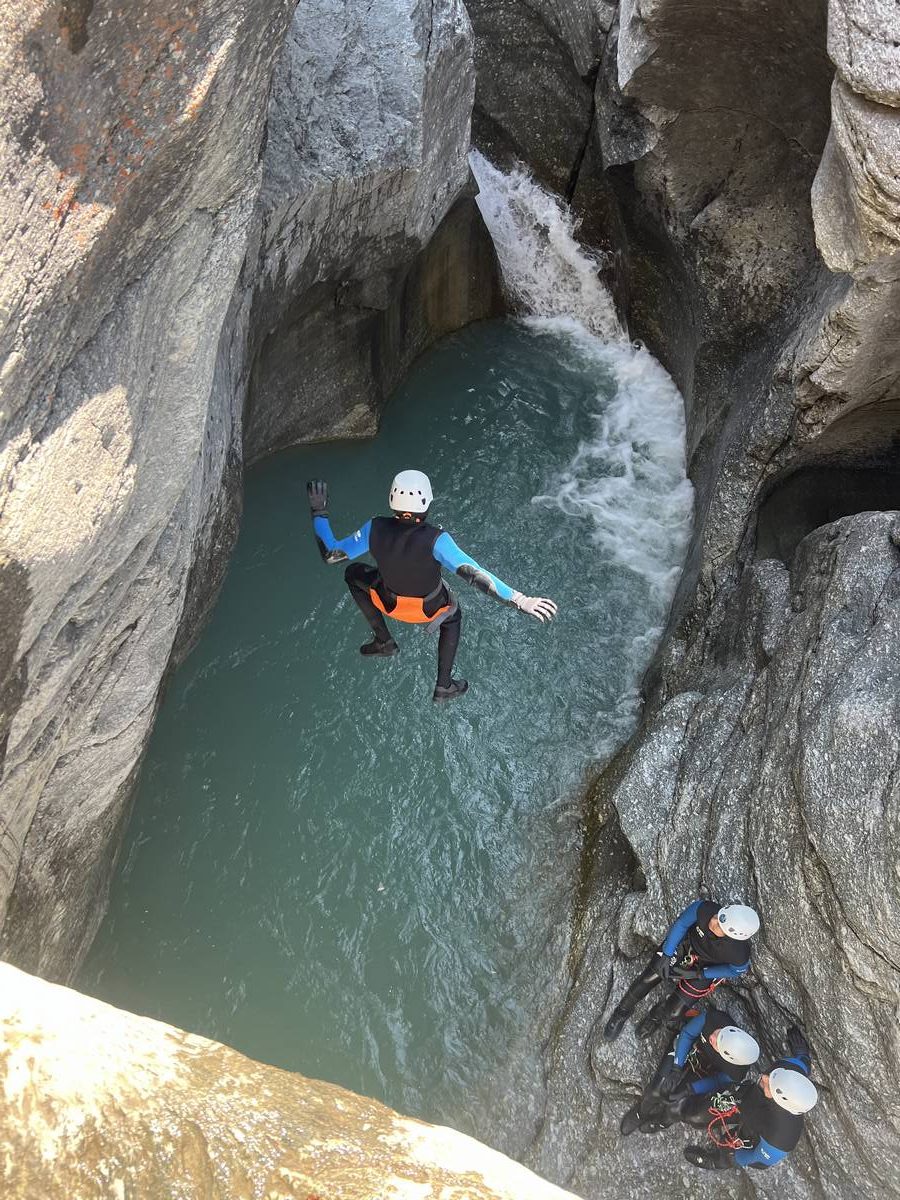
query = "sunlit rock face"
x=98 y=1102
x=180 y=233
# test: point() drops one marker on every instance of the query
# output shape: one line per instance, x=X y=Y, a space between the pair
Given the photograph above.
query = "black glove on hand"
x=668 y=1076
x=317 y=494
x=679 y=972
x=710 y=1158
x=797 y=1045
x=664 y=963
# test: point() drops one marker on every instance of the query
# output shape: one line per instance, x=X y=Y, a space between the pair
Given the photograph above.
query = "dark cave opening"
x=817 y=494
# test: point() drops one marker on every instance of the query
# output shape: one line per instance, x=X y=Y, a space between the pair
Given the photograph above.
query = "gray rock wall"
x=365 y=167
x=132 y=172
x=760 y=203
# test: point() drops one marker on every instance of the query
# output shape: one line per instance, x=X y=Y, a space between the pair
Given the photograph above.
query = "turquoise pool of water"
x=326 y=870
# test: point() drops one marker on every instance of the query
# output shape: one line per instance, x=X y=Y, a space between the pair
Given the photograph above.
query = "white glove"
x=535 y=606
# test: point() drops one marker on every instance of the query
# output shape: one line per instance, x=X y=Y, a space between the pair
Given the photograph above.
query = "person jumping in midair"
x=406 y=582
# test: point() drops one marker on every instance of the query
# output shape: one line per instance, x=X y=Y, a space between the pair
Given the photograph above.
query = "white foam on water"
x=546 y=272
x=629 y=478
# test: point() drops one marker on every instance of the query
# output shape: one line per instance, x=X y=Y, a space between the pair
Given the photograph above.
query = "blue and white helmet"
x=411 y=492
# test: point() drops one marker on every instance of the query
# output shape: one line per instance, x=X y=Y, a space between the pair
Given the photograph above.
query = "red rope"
x=694 y=993
x=730 y=1142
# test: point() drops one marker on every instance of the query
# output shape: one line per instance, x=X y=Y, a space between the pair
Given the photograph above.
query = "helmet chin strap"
x=411 y=518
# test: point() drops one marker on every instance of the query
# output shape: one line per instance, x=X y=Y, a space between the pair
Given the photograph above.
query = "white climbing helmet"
x=737 y=1047
x=738 y=921
x=792 y=1090
x=411 y=492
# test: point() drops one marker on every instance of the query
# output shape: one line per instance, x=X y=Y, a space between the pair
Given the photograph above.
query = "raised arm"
x=689 y=1034
x=449 y=555
x=332 y=549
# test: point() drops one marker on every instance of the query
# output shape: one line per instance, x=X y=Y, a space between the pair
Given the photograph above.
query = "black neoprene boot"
x=456 y=688
x=631 y=1121
x=649 y=1025
x=380 y=649
x=615 y=1024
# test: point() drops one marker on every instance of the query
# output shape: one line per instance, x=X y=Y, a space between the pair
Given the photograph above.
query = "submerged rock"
x=98 y=1102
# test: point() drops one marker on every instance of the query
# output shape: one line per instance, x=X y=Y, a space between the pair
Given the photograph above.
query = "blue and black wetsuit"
x=705 y=1069
x=406 y=582
x=689 y=946
x=762 y=1131
x=696 y=1068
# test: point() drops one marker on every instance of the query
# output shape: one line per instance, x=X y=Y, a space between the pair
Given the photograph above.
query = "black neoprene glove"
x=679 y=972
x=664 y=963
x=710 y=1158
x=668 y=1076
x=317 y=494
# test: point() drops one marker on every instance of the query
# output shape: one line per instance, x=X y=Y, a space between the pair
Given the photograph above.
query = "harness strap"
x=443 y=614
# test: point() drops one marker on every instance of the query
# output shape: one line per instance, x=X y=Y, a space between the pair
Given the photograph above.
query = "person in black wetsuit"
x=707 y=945
x=710 y=1054
x=756 y=1124
x=406 y=584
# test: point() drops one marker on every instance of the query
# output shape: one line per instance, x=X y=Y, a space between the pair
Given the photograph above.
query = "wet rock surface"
x=98 y=1102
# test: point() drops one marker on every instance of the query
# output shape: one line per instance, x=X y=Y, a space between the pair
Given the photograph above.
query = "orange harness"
x=408 y=608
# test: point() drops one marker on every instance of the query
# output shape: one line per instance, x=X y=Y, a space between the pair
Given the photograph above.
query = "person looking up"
x=758 y=1124
x=406 y=583
x=709 y=1053
x=707 y=945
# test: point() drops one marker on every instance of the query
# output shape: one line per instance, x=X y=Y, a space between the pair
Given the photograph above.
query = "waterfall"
x=629 y=478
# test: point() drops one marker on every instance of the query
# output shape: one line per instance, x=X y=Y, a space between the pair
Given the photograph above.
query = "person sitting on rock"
x=707 y=945
x=710 y=1054
x=406 y=582
x=758 y=1124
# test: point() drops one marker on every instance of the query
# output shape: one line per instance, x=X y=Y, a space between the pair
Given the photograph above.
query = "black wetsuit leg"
x=648 y=979
x=360 y=578
x=448 y=643
x=669 y=1008
x=695 y=1111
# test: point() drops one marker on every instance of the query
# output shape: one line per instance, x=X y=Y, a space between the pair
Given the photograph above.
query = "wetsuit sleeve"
x=719 y=1082
x=334 y=550
x=799 y=1063
x=725 y=970
x=687 y=1037
x=449 y=555
x=678 y=932
x=762 y=1155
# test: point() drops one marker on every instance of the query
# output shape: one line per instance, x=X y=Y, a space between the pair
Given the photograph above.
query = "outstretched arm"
x=332 y=549
x=449 y=555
